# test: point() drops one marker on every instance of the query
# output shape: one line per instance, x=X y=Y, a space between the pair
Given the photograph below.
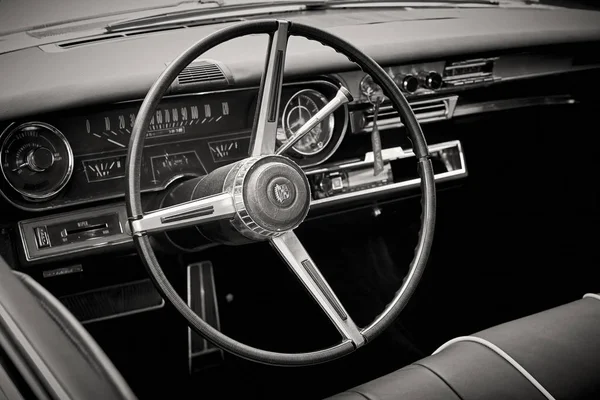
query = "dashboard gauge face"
x=111 y=129
x=36 y=159
x=105 y=168
x=229 y=150
x=299 y=109
x=176 y=164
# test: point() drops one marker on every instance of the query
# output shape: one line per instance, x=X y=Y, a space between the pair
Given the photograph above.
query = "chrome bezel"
x=7 y=134
x=324 y=101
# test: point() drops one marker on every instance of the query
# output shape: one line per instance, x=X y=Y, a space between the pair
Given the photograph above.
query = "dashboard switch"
x=41 y=237
x=407 y=83
x=431 y=80
x=337 y=183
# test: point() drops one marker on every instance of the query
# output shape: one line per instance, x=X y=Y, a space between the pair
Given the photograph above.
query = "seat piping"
x=592 y=296
x=502 y=354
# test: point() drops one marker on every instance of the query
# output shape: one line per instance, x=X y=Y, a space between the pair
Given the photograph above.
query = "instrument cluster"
x=77 y=157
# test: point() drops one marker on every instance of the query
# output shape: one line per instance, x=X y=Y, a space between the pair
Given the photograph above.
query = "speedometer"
x=299 y=109
x=36 y=160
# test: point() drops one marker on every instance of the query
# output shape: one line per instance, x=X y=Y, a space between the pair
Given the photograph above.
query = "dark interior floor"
x=518 y=236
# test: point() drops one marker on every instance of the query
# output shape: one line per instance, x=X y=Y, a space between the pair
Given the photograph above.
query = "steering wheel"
x=265 y=196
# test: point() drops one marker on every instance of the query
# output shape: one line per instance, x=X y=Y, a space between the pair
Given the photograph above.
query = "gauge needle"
x=115 y=142
x=20 y=166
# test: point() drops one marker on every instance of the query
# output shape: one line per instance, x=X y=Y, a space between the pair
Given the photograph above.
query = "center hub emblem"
x=282 y=192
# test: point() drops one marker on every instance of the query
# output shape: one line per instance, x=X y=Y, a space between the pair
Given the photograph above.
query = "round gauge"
x=36 y=159
x=298 y=110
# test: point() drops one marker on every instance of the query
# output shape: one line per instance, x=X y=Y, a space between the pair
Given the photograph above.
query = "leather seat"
x=554 y=354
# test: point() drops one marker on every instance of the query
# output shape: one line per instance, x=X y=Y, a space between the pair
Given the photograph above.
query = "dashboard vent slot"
x=88 y=40
x=147 y=31
x=202 y=75
x=425 y=111
x=201 y=72
x=112 y=34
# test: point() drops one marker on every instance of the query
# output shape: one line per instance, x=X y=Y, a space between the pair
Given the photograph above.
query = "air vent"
x=202 y=75
x=88 y=40
x=112 y=36
x=425 y=111
x=201 y=72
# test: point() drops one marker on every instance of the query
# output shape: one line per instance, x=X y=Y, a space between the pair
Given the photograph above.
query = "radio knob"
x=407 y=83
x=431 y=80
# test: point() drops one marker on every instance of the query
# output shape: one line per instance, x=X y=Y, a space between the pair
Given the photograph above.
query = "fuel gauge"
x=229 y=150
x=106 y=168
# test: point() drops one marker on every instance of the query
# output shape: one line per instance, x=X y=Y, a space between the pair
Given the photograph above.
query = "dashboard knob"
x=431 y=80
x=40 y=159
x=408 y=83
x=369 y=88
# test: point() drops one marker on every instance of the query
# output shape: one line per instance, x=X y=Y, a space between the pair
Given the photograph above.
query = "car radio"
x=469 y=72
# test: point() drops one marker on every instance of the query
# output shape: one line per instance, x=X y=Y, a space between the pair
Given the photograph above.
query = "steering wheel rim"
x=283 y=242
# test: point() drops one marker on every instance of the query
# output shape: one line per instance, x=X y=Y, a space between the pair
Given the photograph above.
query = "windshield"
x=21 y=15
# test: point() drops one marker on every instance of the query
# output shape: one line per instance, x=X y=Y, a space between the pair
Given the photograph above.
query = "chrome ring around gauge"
x=299 y=109
x=36 y=160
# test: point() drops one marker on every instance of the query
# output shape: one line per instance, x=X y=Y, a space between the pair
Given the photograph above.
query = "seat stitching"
x=441 y=378
x=502 y=354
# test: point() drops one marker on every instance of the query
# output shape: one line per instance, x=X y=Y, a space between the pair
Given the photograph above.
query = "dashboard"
x=78 y=156
x=71 y=158
x=64 y=132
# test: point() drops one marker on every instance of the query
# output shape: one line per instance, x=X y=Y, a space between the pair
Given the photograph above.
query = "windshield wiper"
x=218 y=10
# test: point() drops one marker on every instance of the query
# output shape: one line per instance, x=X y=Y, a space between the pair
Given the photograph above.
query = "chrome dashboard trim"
x=74 y=248
x=393 y=154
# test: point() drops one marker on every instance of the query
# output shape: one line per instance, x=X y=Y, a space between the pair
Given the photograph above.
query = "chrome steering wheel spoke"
x=264 y=131
x=294 y=254
x=194 y=212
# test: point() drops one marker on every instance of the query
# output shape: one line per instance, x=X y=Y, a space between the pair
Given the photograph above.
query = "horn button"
x=276 y=194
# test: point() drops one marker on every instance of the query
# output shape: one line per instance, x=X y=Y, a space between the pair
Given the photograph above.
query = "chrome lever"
x=342 y=97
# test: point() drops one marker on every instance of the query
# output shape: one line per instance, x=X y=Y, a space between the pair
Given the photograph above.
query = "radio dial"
x=431 y=80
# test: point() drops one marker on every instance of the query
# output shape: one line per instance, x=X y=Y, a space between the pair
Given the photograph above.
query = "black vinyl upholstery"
x=560 y=348
x=51 y=351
